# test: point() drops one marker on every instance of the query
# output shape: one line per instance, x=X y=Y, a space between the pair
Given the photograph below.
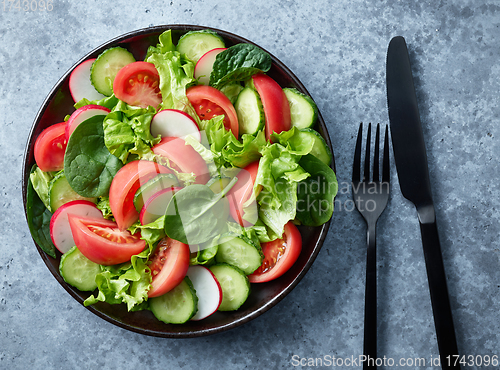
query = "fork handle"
x=441 y=308
x=370 y=329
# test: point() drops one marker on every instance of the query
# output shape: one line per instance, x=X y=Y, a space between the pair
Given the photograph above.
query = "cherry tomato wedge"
x=124 y=186
x=183 y=158
x=209 y=102
x=275 y=104
x=279 y=255
x=102 y=242
x=138 y=84
x=50 y=146
x=241 y=192
x=169 y=265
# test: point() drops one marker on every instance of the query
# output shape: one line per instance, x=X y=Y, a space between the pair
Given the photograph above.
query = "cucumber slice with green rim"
x=232 y=91
x=78 y=271
x=320 y=150
x=303 y=110
x=234 y=284
x=218 y=183
x=153 y=186
x=250 y=112
x=176 y=306
x=106 y=66
x=196 y=43
x=239 y=251
x=60 y=192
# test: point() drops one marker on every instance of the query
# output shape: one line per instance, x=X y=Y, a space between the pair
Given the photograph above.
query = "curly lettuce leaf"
x=127 y=132
x=176 y=74
x=38 y=217
x=127 y=283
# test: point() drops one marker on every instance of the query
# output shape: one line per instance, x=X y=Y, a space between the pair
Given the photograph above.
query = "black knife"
x=411 y=164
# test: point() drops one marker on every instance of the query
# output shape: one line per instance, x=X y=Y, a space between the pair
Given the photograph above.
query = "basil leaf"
x=88 y=164
x=195 y=214
x=316 y=194
x=39 y=220
x=238 y=63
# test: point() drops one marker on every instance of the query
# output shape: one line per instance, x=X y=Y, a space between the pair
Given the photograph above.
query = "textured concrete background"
x=337 y=49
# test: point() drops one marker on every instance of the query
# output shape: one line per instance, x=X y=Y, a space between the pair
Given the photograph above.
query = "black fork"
x=370 y=198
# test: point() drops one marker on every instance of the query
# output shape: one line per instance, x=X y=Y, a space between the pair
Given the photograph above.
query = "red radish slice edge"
x=174 y=123
x=60 y=231
x=82 y=114
x=156 y=205
x=79 y=83
x=208 y=291
x=205 y=64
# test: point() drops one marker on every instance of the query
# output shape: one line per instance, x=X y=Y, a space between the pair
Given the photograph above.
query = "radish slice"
x=82 y=114
x=205 y=64
x=60 y=232
x=156 y=206
x=79 y=83
x=207 y=289
x=174 y=123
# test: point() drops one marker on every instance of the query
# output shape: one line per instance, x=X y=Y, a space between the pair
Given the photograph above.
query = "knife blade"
x=413 y=174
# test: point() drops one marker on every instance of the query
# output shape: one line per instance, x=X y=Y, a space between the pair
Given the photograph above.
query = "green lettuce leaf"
x=40 y=181
x=278 y=175
x=227 y=150
x=165 y=44
x=38 y=217
x=108 y=102
x=176 y=74
x=127 y=283
x=126 y=132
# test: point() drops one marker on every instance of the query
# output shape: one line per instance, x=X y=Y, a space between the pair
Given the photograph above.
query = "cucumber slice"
x=234 y=284
x=250 y=112
x=78 y=271
x=60 y=192
x=106 y=66
x=153 y=186
x=239 y=251
x=196 y=43
x=232 y=91
x=176 y=306
x=303 y=110
x=320 y=150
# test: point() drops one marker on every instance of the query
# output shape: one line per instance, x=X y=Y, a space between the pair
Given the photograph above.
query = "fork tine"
x=376 y=176
x=386 y=168
x=366 y=176
x=357 y=156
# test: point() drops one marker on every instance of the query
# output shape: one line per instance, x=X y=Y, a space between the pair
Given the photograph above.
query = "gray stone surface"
x=338 y=51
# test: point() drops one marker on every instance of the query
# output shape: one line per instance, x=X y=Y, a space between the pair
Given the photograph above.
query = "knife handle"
x=441 y=308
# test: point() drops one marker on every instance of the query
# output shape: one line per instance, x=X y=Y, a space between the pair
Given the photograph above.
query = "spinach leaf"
x=88 y=164
x=39 y=220
x=195 y=214
x=238 y=63
x=316 y=194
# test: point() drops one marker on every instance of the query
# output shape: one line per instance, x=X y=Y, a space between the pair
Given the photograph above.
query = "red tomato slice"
x=50 y=146
x=124 y=186
x=138 y=84
x=279 y=255
x=209 y=102
x=241 y=192
x=275 y=104
x=183 y=158
x=169 y=265
x=102 y=242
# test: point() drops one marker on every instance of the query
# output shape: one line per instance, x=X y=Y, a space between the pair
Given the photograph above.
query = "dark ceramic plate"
x=59 y=103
